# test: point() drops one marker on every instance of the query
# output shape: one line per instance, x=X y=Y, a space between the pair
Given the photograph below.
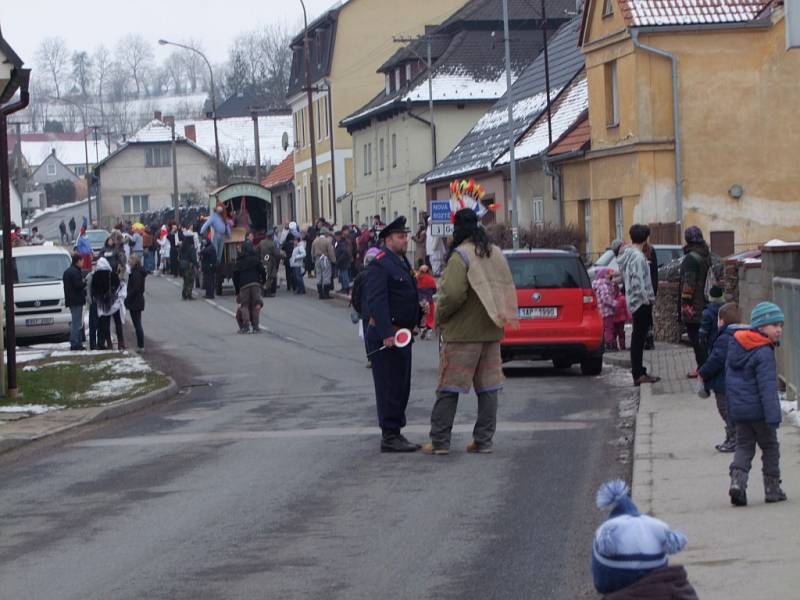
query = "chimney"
x=53 y=151
x=190 y=132
x=169 y=121
x=157 y=115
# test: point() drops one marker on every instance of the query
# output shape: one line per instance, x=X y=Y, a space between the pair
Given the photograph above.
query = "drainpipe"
x=676 y=121
x=430 y=124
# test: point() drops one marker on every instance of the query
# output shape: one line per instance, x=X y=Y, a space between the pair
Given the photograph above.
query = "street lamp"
x=213 y=94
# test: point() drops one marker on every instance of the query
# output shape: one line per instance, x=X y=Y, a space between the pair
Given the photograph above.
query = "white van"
x=39 y=291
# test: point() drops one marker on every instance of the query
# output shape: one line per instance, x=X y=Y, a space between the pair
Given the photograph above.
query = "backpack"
x=355 y=292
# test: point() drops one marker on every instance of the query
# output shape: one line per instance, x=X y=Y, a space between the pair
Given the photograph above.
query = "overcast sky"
x=86 y=23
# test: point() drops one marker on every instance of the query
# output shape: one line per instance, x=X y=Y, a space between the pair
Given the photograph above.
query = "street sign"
x=441 y=229
x=440 y=211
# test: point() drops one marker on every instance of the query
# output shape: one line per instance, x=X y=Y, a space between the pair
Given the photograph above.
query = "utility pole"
x=257 y=140
x=511 y=140
x=429 y=62
x=310 y=97
x=176 y=198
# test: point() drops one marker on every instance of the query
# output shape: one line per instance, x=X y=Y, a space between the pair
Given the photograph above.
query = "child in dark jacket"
x=708 y=322
x=751 y=382
x=712 y=373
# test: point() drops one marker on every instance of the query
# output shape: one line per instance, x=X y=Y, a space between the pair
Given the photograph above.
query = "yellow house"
x=693 y=121
x=347 y=45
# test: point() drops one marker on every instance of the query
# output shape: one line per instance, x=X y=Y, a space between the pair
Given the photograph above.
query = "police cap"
x=396 y=226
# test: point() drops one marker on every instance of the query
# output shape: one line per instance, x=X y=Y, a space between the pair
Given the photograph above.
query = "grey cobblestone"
x=671 y=362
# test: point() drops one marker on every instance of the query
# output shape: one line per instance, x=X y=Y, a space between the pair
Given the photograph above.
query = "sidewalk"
x=679 y=477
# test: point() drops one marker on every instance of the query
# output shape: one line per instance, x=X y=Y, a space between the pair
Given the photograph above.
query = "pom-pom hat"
x=628 y=545
x=766 y=313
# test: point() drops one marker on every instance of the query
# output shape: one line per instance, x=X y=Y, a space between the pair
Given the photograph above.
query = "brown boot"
x=432 y=451
x=473 y=448
x=646 y=379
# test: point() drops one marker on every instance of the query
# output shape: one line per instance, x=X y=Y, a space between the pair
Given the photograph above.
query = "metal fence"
x=786 y=294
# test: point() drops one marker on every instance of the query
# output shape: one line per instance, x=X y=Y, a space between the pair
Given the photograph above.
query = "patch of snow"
x=113 y=387
x=30 y=368
x=121 y=366
x=752 y=261
x=51 y=209
x=458 y=87
x=790 y=410
x=58 y=346
x=30 y=357
x=66 y=353
x=34 y=409
x=523 y=109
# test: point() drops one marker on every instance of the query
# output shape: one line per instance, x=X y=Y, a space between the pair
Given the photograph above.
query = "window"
x=366 y=159
x=722 y=243
x=383 y=212
x=608 y=8
x=381 y=155
x=319 y=120
x=134 y=205
x=612 y=94
x=369 y=158
x=326 y=104
x=394 y=150
x=157 y=157
x=388 y=84
x=321 y=195
x=618 y=229
x=303 y=125
x=51 y=168
x=414 y=216
x=408 y=72
x=296 y=128
x=80 y=170
x=397 y=82
x=305 y=200
x=537 y=213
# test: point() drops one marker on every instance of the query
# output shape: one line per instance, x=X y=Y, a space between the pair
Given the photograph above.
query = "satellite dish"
x=285 y=141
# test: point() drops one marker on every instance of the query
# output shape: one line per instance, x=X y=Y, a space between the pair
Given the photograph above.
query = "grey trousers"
x=722 y=408
x=750 y=433
x=444 y=413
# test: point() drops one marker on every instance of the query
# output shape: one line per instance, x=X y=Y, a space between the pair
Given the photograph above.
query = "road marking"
x=323 y=432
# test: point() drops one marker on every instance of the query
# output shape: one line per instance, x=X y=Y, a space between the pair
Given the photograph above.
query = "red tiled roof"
x=575 y=140
x=281 y=174
x=648 y=13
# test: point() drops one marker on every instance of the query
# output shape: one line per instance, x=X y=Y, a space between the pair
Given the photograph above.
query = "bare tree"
x=102 y=66
x=193 y=64
x=51 y=57
x=82 y=71
x=259 y=63
x=176 y=67
x=136 y=55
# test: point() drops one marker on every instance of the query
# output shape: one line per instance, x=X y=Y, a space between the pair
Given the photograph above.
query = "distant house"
x=52 y=170
x=483 y=153
x=392 y=134
x=70 y=148
x=243 y=105
x=280 y=181
x=138 y=176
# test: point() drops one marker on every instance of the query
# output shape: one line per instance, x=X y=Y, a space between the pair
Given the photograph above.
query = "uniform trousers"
x=391 y=372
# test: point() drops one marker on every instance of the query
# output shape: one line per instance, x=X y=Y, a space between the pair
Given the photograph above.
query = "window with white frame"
x=608 y=8
x=619 y=219
x=327 y=122
x=381 y=155
x=135 y=204
x=408 y=72
x=612 y=94
x=319 y=119
x=321 y=195
x=388 y=84
x=157 y=157
x=51 y=168
x=537 y=212
x=394 y=150
x=80 y=170
x=366 y=159
x=369 y=157
x=331 y=199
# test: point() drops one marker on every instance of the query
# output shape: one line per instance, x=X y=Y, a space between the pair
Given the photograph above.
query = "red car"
x=558 y=314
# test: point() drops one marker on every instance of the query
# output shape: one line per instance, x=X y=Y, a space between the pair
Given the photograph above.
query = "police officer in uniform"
x=392 y=304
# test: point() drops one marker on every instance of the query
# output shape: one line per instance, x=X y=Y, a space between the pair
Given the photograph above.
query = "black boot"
x=772 y=490
x=392 y=441
x=738 y=489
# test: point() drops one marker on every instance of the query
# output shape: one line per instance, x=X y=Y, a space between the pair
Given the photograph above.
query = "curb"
x=96 y=415
x=619 y=359
x=642 y=479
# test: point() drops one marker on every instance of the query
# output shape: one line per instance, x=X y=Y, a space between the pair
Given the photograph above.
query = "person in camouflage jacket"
x=694 y=270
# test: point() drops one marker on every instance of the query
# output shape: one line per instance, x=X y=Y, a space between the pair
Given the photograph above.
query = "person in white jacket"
x=435 y=250
x=297 y=264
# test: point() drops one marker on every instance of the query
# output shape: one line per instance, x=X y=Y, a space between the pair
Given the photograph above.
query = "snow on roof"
x=565 y=111
x=155 y=131
x=68 y=152
x=643 y=13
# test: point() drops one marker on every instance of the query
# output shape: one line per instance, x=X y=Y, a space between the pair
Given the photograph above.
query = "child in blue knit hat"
x=751 y=381
x=629 y=553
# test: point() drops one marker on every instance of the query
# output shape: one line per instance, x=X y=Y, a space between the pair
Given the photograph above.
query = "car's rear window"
x=548 y=272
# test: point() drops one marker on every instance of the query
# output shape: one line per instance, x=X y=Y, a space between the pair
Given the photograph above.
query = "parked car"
x=39 y=291
x=558 y=314
x=97 y=239
x=665 y=254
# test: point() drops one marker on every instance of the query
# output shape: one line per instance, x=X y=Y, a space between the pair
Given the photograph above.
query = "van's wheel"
x=561 y=363
x=592 y=366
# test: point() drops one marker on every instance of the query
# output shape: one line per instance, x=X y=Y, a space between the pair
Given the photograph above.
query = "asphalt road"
x=48 y=223
x=264 y=480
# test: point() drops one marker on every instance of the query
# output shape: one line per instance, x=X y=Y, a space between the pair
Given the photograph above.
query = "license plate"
x=544 y=312
x=38 y=322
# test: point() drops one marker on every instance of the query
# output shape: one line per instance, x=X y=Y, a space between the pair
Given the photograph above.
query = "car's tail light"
x=589 y=302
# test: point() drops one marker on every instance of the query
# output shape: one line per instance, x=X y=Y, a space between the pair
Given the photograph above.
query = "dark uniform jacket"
x=248 y=268
x=208 y=258
x=135 y=298
x=391 y=294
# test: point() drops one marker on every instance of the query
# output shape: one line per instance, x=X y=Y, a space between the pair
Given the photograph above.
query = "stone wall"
x=666 y=324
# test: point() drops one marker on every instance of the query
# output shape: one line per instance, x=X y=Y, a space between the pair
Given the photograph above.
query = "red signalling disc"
x=402 y=338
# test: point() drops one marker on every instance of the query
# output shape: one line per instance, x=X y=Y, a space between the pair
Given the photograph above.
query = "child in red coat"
x=426 y=288
x=621 y=316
